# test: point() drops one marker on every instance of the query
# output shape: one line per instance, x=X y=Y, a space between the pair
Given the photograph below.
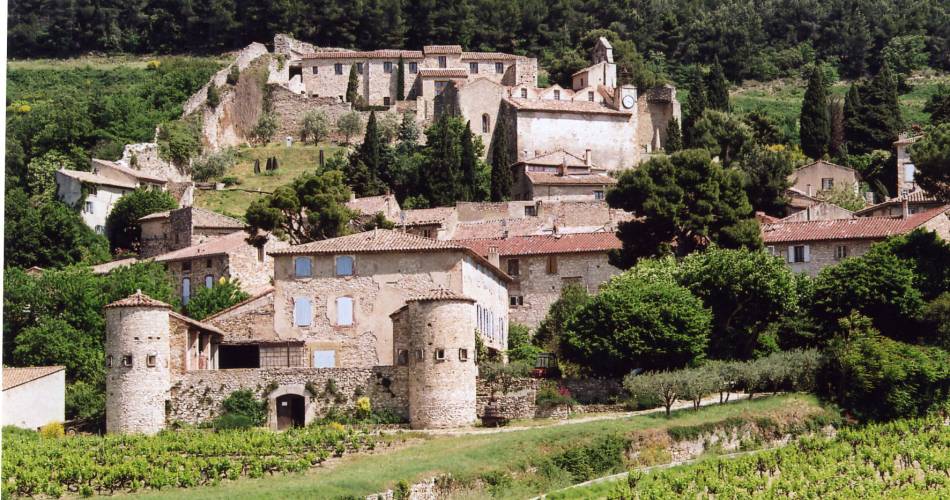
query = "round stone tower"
x=137 y=373
x=442 y=369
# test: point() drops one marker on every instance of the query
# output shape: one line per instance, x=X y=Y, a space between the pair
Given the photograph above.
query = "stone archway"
x=289 y=406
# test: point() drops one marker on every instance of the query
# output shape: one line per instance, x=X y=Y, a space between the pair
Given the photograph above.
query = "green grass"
x=96 y=62
x=468 y=457
x=292 y=162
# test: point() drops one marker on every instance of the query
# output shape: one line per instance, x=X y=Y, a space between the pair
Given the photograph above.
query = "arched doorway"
x=290 y=411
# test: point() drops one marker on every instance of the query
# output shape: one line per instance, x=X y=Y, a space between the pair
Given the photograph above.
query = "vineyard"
x=901 y=459
x=35 y=465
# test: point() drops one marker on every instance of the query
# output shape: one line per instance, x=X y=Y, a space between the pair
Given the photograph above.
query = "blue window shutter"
x=302 y=313
x=302 y=267
x=344 y=311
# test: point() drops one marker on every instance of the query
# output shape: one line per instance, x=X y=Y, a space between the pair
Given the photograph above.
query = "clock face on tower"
x=628 y=101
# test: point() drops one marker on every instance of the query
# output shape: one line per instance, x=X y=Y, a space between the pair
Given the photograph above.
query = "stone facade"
x=820 y=211
x=819 y=254
x=291 y=108
x=516 y=401
x=816 y=177
x=905 y=166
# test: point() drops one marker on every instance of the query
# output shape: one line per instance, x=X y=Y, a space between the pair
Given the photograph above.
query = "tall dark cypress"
x=853 y=131
x=696 y=103
x=469 y=165
x=352 y=86
x=366 y=163
x=717 y=93
x=501 y=163
x=814 y=123
x=674 y=137
x=401 y=80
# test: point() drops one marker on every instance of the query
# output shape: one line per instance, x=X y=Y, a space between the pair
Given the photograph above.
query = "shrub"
x=551 y=394
x=234 y=75
x=243 y=403
x=265 y=129
x=603 y=455
x=214 y=96
x=53 y=430
x=937 y=315
x=222 y=295
x=231 y=180
x=519 y=345
x=214 y=165
x=350 y=124
x=315 y=126
x=234 y=421
x=363 y=407
x=153 y=64
x=179 y=140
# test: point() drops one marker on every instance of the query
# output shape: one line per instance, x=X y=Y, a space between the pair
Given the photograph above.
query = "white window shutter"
x=344 y=311
x=302 y=312
x=807 y=254
x=791 y=253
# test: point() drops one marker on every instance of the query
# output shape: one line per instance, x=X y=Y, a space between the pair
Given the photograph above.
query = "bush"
x=602 y=456
x=234 y=75
x=53 y=430
x=519 y=345
x=550 y=394
x=207 y=301
x=231 y=181
x=214 y=96
x=214 y=165
x=265 y=129
x=86 y=401
x=234 y=421
x=937 y=315
x=179 y=140
x=242 y=403
x=315 y=127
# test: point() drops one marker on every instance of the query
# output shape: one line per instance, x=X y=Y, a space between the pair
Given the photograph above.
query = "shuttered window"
x=302 y=267
x=302 y=311
x=344 y=311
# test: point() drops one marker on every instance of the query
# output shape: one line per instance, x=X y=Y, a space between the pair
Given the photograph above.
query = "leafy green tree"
x=469 y=165
x=352 y=86
x=767 y=171
x=41 y=173
x=854 y=128
x=927 y=254
x=441 y=175
x=214 y=96
x=315 y=127
x=696 y=104
x=906 y=53
x=265 y=129
x=312 y=207
x=400 y=79
x=501 y=163
x=717 y=88
x=722 y=134
x=179 y=141
x=747 y=291
x=664 y=386
x=207 y=301
x=551 y=330
x=122 y=226
x=674 y=137
x=47 y=234
x=349 y=124
x=520 y=348
x=764 y=129
x=814 y=122
x=937 y=315
x=682 y=202
x=638 y=325
x=938 y=105
x=53 y=341
x=931 y=156
x=879 y=114
x=844 y=196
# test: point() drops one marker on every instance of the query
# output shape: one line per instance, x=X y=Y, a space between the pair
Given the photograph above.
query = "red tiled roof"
x=442 y=49
x=425 y=216
x=92 y=178
x=489 y=55
x=439 y=294
x=545 y=178
x=828 y=163
x=138 y=299
x=765 y=218
x=16 y=376
x=918 y=196
x=217 y=246
x=365 y=54
x=552 y=106
x=377 y=240
x=371 y=205
x=198 y=324
x=546 y=244
x=130 y=171
x=443 y=72
x=846 y=229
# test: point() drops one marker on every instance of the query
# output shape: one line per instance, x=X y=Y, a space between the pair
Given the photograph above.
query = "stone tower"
x=442 y=369
x=137 y=372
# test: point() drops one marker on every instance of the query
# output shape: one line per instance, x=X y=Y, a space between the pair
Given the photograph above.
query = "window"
x=516 y=300
x=324 y=359
x=440 y=354
x=463 y=354
x=344 y=311
x=798 y=253
x=590 y=95
x=387 y=67
x=420 y=355
x=315 y=70
x=302 y=311
x=598 y=195
x=150 y=360
x=770 y=249
x=413 y=67
x=185 y=290
x=513 y=265
x=827 y=183
x=209 y=281
x=402 y=357
x=524 y=93
x=94 y=190
x=531 y=211
x=127 y=360
x=440 y=87
x=499 y=68
x=109 y=361
x=557 y=95
x=88 y=208
x=909 y=170
x=386 y=101
x=841 y=252
x=344 y=265
x=338 y=68
x=486 y=123
x=302 y=267
x=552 y=264
x=473 y=67
x=442 y=62
x=359 y=68
x=427 y=233
x=186 y=266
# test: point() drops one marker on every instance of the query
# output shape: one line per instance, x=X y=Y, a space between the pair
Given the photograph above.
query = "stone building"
x=34 y=396
x=822 y=210
x=163 y=232
x=560 y=176
x=916 y=201
x=812 y=245
x=230 y=256
x=905 y=166
x=820 y=176
x=541 y=266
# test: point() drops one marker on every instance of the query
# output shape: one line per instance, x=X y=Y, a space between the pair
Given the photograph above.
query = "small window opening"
x=127 y=360
x=109 y=361
x=463 y=354
x=440 y=354
x=402 y=357
x=150 y=360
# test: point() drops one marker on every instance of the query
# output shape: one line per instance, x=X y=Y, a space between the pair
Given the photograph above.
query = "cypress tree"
x=401 y=80
x=469 y=165
x=674 y=137
x=695 y=104
x=814 y=123
x=352 y=86
x=853 y=131
x=717 y=93
x=500 y=164
x=366 y=163
x=441 y=172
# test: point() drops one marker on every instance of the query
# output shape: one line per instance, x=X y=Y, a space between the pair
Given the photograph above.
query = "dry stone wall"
x=290 y=109
x=517 y=401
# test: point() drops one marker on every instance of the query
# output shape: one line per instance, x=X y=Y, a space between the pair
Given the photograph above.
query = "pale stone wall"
x=36 y=403
x=808 y=180
x=136 y=395
x=561 y=192
x=196 y=396
x=541 y=289
x=483 y=211
x=611 y=138
x=517 y=401
x=478 y=99
x=290 y=109
x=441 y=391
x=822 y=211
x=69 y=191
x=145 y=158
x=653 y=118
x=247 y=321
x=941 y=225
x=241 y=263
x=489 y=293
x=821 y=253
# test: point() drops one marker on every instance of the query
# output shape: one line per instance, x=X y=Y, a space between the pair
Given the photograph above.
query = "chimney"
x=587 y=157
x=808 y=190
x=905 y=209
x=562 y=168
x=493 y=257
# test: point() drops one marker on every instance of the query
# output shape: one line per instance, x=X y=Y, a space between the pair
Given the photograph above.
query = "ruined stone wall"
x=248 y=320
x=588 y=391
x=196 y=396
x=821 y=253
x=526 y=71
x=154 y=241
x=611 y=138
x=255 y=274
x=517 y=401
x=653 y=118
x=441 y=391
x=136 y=395
x=288 y=45
x=290 y=109
x=145 y=157
x=540 y=289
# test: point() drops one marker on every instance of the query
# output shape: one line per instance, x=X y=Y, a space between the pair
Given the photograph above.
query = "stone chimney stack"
x=493 y=257
x=587 y=160
x=905 y=208
x=562 y=168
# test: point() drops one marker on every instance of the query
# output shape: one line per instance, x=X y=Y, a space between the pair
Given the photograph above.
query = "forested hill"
x=753 y=39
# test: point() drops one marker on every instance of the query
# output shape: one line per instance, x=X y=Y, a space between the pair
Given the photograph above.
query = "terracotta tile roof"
x=375 y=241
x=915 y=197
x=545 y=178
x=442 y=49
x=546 y=245
x=585 y=70
x=552 y=106
x=500 y=56
x=555 y=159
x=443 y=72
x=138 y=174
x=846 y=229
x=208 y=219
x=823 y=162
x=197 y=324
x=155 y=216
x=372 y=205
x=497 y=228
x=92 y=178
x=425 y=216
x=765 y=218
x=15 y=376
x=138 y=299
x=365 y=54
x=217 y=246
x=439 y=294
x=110 y=266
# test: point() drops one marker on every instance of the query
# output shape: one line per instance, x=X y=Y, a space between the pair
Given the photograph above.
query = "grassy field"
x=98 y=62
x=292 y=162
x=512 y=456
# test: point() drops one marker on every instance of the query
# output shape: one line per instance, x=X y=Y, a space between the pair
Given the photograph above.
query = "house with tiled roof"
x=912 y=202
x=163 y=232
x=560 y=176
x=369 y=206
x=541 y=266
x=906 y=169
x=33 y=396
x=823 y=176
x=809 y=246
